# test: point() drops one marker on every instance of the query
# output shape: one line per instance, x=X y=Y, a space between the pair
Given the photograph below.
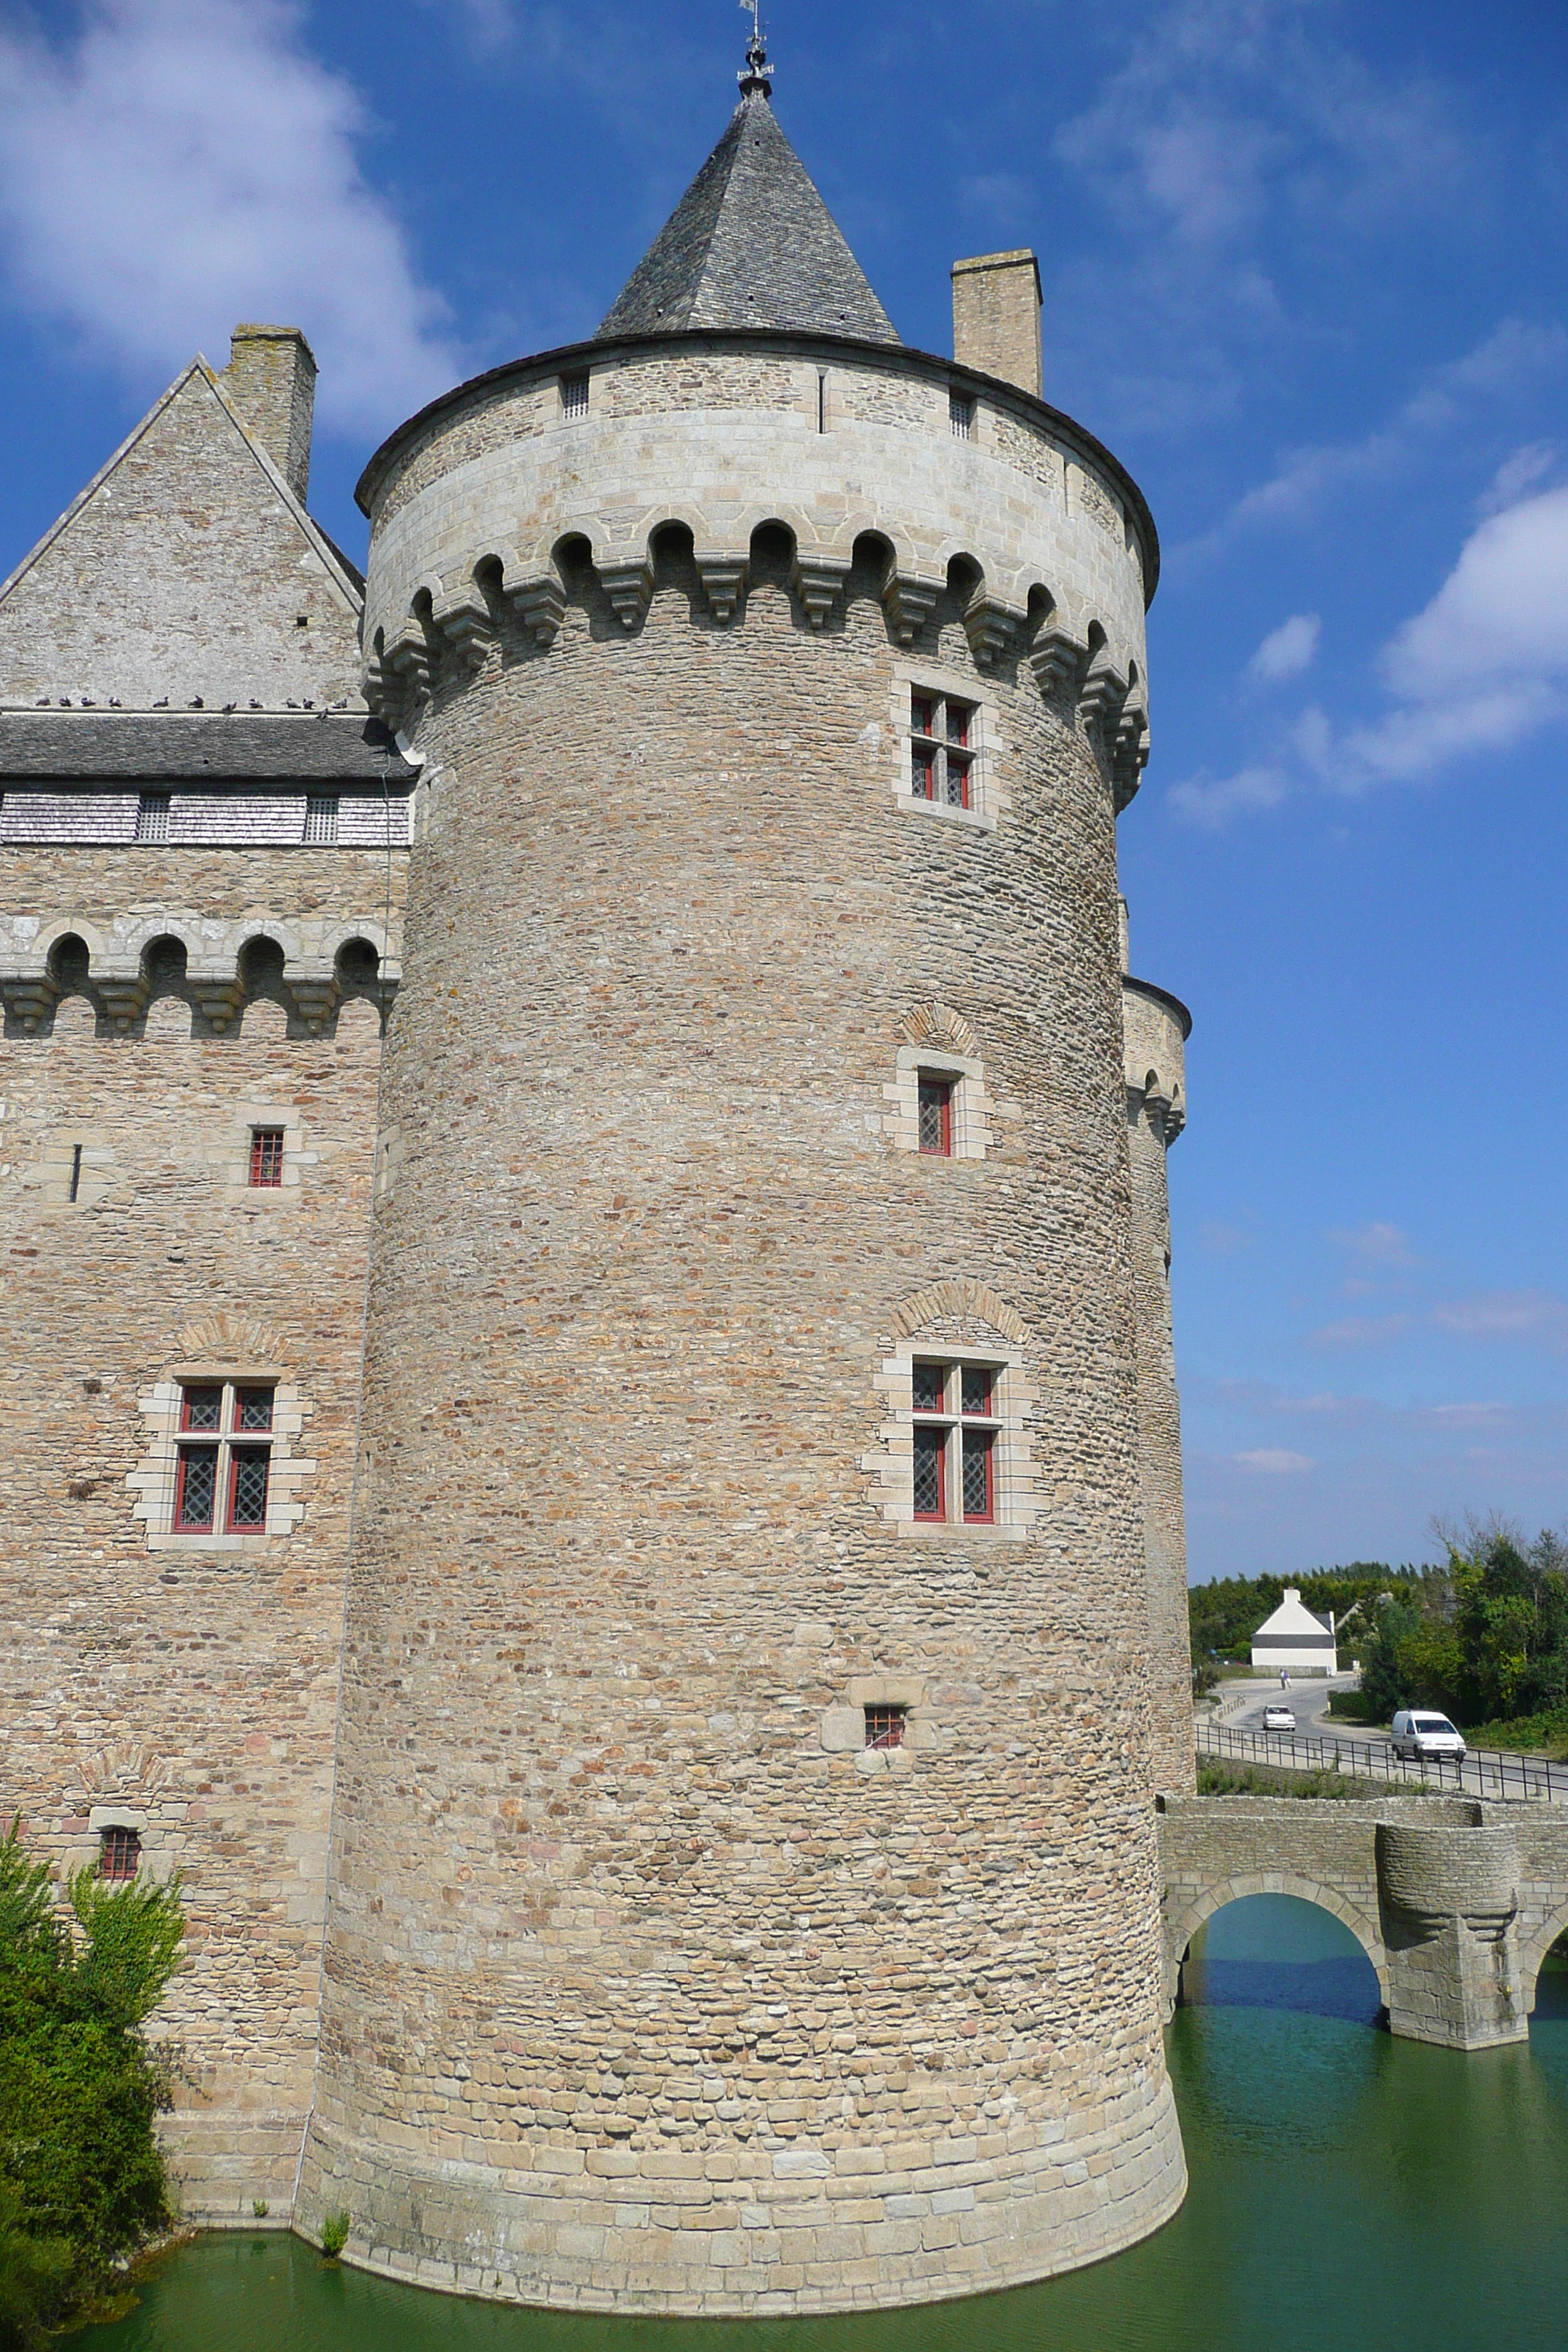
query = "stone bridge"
x=1455 y=1902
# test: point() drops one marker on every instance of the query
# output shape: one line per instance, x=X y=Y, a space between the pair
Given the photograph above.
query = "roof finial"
x=758 y=77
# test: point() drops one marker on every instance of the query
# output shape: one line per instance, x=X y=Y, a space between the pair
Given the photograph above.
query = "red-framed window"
x=223 y=1470
x=885 y=1727
x=935 y=1109
x=266 y=1155
x=941 y=749
x=955 y=1426
x=119 y=1854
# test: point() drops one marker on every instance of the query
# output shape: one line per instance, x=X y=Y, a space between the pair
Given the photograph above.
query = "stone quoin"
x=593 y=1448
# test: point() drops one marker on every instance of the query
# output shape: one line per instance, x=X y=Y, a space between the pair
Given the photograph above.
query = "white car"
x=1278 y=1718
x=1426 y=1738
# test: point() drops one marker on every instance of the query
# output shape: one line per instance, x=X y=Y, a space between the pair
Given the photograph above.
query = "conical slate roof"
x=750 y=244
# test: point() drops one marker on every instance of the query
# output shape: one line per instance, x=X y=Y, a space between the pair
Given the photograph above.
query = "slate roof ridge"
x=750 y=244
x=148 y=746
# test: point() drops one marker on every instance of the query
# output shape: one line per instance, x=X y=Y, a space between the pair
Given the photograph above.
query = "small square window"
x=929 y=1382
x=885 y=1727
x=574 y=393
x=961 y=417
x=935 y=1108
x=976 y=1388
x=153 y=817
x=119 y=1854
x=267 y=1156
x=253 y=1410
x=322 y=816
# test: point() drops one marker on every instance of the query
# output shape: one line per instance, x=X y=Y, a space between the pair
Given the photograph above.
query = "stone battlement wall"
x=476 y=509
x=183 y=1685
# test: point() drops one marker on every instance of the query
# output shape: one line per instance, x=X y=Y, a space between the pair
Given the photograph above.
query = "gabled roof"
x=182 y=570
x=1291 y=1619
x=166 y=747
x=750 y=244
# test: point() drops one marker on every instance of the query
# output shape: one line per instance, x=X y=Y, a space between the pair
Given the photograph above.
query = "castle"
x=591 y=1445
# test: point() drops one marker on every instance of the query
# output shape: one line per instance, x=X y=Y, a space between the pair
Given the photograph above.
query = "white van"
x=1427 y=1736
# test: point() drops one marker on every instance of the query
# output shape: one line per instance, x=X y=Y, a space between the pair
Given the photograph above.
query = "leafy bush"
x=335 y=2230
x=1217 y=1778
x=81 y=2181
x=1495 y=1649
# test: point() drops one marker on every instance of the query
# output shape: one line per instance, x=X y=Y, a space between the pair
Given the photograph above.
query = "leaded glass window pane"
x=928 y=1446
x=202 y=1408
x=197 y=1487
x=253 y=1409
x=976 y=1388
x=930 y=1387
x=250 y=1481
x=976 y=1474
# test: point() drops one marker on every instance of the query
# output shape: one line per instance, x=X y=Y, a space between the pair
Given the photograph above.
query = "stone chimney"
x=271 y=380
x=997 y=317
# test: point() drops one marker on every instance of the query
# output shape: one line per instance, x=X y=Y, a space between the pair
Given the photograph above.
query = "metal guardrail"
x=1485 y=1773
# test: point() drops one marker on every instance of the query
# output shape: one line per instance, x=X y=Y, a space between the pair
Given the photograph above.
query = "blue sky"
x=1304 y=270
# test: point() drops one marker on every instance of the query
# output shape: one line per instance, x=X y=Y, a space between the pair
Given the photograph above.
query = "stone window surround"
x=1013 y=1401
x=972 y=1107
x=235 y=1162
x=157 y=1858
x=153 y=1479
x=842 y=1727
x=910 y=677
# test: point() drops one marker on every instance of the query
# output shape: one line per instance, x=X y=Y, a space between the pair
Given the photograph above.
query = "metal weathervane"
x=758 y=73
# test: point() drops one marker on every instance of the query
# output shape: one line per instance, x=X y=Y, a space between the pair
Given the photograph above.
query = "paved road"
x=1479 y=1775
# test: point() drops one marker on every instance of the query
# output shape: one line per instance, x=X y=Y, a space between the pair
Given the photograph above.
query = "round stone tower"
x=743 y=1881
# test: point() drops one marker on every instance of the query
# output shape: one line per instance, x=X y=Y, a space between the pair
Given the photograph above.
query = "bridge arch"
x=1534 y=1949
x=1183 y=1923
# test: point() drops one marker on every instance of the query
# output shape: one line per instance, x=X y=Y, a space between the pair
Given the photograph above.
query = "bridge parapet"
x=1455 y=1902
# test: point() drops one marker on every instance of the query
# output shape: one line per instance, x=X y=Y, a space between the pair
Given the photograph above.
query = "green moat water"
x=1350 y=2193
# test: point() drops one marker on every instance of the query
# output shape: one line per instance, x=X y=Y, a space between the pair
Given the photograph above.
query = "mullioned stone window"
x=224 y=1466
x=954 y=1461
x=949 y=743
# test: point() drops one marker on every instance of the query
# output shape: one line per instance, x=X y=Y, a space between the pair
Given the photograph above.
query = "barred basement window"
x=574 y=394
x=322 y=816
x=942 y=751
x=119 y=1854
x=885 y=1726
x=267 y=1156
x=153 y=817
x=955 y=1441
x=225 y=1459
x=961 y=416
x=935 y=1112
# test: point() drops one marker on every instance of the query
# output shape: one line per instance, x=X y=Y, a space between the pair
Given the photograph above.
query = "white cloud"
x=1479 y=671
x=1288 y=650
x=1515 y=354
x=1378 y=1244
x=1536 y=1318
x=1520 y=472
x=1361 y=1331
x=1274 y=1461
x=180 y=164
x=1202 y=801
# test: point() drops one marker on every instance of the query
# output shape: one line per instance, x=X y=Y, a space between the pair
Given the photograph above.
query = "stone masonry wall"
x=646 y=1983
x=1155 y=1113
x=187 y=1687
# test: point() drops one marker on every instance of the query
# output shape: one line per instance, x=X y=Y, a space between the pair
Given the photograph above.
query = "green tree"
x=80 y=2083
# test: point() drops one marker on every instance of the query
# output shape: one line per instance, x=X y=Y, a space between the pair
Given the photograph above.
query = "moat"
x=1350 y=2192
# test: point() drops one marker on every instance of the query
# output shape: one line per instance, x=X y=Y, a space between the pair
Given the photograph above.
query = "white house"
x=1294 y=1640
